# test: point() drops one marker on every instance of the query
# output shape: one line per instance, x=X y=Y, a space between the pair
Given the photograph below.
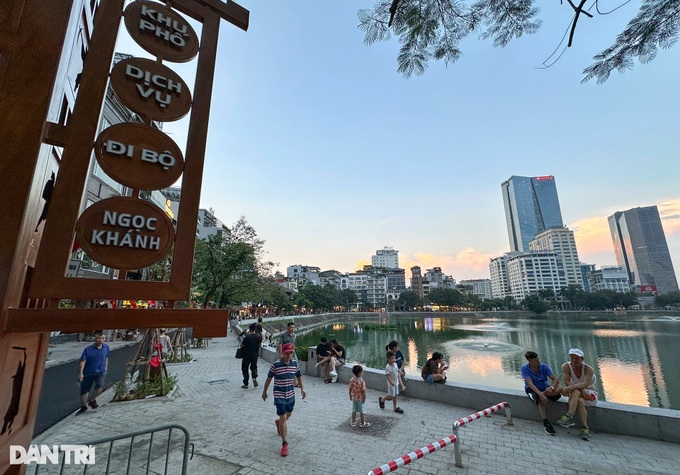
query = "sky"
x=331 y=154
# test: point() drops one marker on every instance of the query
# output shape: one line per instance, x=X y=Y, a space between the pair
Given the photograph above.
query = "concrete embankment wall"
x=621 y=419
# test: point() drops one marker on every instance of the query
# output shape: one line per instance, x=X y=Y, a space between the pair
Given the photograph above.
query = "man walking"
x=251 y=352
x=287 y=337
x=284 y=372
x=541 y=385
x=94 y=363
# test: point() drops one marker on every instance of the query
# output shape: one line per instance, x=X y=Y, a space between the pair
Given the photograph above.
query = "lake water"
x=635 y=356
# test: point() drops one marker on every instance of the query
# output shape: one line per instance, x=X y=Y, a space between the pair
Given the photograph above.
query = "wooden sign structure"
x=123 y=232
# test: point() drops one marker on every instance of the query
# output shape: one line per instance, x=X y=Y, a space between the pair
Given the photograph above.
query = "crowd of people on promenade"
x=540 y=383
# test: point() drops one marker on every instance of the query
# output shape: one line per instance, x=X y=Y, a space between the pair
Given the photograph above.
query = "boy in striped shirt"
x=284 y=372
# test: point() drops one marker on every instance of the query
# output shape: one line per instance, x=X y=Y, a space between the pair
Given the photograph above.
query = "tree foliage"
x=433 y=29
x=409 y=300
x=535 y=304
x=229 y=266
x=670 y=299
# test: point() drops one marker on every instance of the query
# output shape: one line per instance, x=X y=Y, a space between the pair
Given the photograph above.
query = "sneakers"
x=93 y=404
x=352 y=424
x=278 y=429
x=585 y=434
x=566 y=420
x=245 y=386
x=381 y=403
x=81 y=410
x=548 y=428
x=399 y=410
x=255 y=383
x=365 y=424
x=284 y=450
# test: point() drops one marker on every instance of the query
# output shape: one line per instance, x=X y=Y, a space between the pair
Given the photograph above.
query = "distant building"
x=586 y=270
x=417 y=281
x=500 y=281
x=609 y=278
x=641 y=248
x=479 y=287
x=332 y=277
x=208 y=224
x=533 y=271
x=438 y=280
x=386 y=257
x=562 y=242
x=531 y=206
x=370 y=282
x=304 y=275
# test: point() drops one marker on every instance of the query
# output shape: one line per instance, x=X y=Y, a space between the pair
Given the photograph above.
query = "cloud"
x=592 y=235
x=466 y=264
x=385 y=221
x=670 y=216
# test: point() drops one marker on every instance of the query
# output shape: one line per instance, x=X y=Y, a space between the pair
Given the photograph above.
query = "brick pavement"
x=233 y=431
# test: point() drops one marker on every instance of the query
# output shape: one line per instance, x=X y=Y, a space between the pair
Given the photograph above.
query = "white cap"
x=576 y=351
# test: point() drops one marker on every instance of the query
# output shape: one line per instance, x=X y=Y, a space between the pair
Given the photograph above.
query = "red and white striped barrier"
x=478 y=415
x=392 y=465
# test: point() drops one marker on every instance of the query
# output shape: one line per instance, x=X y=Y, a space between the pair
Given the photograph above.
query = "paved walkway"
x=233 y=431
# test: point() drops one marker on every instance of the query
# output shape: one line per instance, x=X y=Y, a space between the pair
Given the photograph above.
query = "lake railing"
x=393 y=465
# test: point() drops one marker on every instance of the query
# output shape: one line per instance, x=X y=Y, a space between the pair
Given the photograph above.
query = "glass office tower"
x=531 y=207
x=641 y=248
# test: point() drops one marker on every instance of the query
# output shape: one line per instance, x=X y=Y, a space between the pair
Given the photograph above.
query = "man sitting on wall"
x=322 y=353
x=541 y=385
x=579 y=387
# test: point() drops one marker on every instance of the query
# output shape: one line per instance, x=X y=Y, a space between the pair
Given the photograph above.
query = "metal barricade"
x=127 y=459
x=473 y=417
x=392 y=465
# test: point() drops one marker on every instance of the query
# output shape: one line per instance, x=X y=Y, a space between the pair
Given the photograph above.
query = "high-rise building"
x=386 y=257
x=561 y=241
x=641 y=248
x=417 y=281
x=531 y=207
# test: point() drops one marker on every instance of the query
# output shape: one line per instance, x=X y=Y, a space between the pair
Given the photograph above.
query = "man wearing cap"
x=284 y=372
x=579 y=380
x=541 y=385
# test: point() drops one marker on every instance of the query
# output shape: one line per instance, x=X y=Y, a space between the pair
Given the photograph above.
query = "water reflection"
x=633 y=356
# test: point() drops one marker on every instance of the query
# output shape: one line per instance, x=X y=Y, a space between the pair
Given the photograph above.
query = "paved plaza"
x=233 y=431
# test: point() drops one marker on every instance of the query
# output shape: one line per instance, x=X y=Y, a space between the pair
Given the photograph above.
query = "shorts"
x=282 y=409
x=429 y=378
x=392 y=390
x=88 y=381
x=589 y=396
x=357 y=406
x=534 y=397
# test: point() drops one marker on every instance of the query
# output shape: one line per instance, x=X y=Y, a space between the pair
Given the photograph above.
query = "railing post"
x=508 y=415
x=457 y=456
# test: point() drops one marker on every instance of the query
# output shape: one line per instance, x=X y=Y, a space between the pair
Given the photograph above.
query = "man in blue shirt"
x=284 y=372
x=94 y=363
x=541 y=385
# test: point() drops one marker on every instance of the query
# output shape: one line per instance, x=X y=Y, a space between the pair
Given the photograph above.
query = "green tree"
x=434 y=29
x=670 y=299
x=347 y=298
x=229 y=266
x=446 y=297
x=270 y=293
x=409 y=300
x=535 y=304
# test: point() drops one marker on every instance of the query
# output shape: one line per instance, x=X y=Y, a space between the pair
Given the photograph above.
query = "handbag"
x=239 y=353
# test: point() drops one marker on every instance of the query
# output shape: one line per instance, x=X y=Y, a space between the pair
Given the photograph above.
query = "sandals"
x=365 y=424
x=353 y=424
x=381 y=403
x=399 y=410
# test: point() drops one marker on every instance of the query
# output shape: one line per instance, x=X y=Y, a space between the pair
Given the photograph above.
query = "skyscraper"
x=531 y=207
x=641 y=248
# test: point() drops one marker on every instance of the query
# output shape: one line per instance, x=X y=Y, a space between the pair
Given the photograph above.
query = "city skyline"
x=331 y=154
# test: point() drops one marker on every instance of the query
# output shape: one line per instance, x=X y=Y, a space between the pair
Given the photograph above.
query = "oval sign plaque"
x=151 y=89
x=161 y=31
x=125 y=232
x=139 y=156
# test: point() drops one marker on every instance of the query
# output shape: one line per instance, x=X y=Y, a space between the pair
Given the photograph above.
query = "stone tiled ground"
x=233 y=432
